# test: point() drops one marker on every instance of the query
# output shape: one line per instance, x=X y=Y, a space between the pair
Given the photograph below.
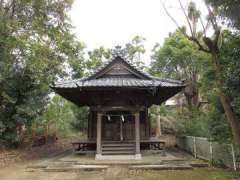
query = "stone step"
x=116 y=159
x=118 y=145
x=117 y=148
x=117 y=152
x=118 y=142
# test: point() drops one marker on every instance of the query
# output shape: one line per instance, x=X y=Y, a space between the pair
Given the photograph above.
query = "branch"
x=217 y=29
x=204 y=29
x=217 y=35
x=13 y=8
x=193 y=39
x=212 y=18
x=200 y=46
x=169 y=15
x=1 y=4
x=188 y=21
x=208 y=24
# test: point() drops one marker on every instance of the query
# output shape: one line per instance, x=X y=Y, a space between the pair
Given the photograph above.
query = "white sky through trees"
x=115 y=22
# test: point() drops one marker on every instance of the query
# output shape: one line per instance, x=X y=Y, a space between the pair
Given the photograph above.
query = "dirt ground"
x=18 y=172
x=10 y=157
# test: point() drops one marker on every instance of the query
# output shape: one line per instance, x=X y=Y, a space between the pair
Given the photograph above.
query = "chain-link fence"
x=225 y=155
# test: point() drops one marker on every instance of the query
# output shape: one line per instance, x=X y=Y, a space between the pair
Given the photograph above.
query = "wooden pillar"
x=89 y=126
x=137 y=135
x=158 y=127
x=99 y=136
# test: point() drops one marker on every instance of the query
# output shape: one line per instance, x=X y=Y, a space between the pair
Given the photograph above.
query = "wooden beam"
x=103 y=109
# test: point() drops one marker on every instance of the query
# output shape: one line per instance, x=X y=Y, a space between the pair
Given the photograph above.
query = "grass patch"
x=195 y=174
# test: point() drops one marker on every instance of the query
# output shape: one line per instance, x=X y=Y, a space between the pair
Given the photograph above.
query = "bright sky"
x=115 y=22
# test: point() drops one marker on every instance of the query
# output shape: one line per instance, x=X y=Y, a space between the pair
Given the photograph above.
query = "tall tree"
x=212 y=46
x=179 y=58
x=35 y=42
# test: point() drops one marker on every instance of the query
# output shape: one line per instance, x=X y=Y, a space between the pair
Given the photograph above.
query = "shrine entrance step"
x=118 y=148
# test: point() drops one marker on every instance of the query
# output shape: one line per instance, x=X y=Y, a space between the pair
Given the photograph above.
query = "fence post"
x=194 y=147
x=233 y=158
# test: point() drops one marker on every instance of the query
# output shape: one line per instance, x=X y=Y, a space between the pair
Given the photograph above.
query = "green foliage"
x=194 y=124
x=89 y=63
x=178 y=58
x=230 y=59
x=81 y=118
x=218 y=126
x=96 y=58
x=35 y=42
x=230 y=53
x=135 y=49
x=59 y=112
x=228 y=10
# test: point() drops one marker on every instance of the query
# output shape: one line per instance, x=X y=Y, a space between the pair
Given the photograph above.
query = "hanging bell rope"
x=122 y=118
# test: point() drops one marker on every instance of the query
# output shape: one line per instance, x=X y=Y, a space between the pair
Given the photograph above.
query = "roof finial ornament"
x=119 y=51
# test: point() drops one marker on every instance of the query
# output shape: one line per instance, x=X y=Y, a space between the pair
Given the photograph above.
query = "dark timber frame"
x=118 y=95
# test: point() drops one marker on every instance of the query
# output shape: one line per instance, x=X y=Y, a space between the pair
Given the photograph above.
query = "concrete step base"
x=75 y=168
x=123 y=152
x=118 y=157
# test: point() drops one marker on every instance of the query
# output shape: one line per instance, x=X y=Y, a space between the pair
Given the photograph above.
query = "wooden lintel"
x=118 y=108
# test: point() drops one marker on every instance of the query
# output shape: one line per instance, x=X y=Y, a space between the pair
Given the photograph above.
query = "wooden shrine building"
x=118 y=95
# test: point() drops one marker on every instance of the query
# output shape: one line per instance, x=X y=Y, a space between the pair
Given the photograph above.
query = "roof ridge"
x=70 y=81
x=168 y=80
x=104 y=65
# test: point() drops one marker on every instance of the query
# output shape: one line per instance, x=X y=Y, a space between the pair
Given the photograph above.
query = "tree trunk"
x=226 y=102
x=231 y=117
x=191 y=92
x=195 y=98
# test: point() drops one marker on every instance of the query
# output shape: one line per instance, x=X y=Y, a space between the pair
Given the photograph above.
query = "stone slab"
x=75 y=168
x=162 y=167
x=117 y=157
